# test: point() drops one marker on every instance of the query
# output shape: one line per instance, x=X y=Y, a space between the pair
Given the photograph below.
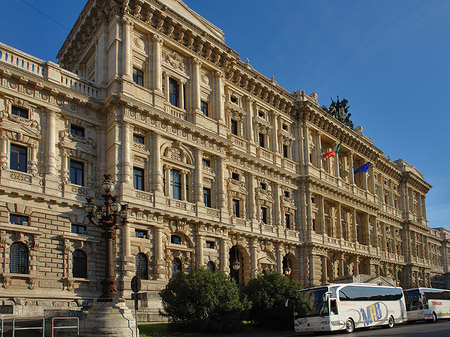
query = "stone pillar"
x=367 y=225
x=184 y=196
x=322 y=213
x=166 y=173
x=181 y=103
x=339 y=220
x=198 y=177
x=157 y=68
x=251 y=198
x=220 y=111
x=275 y=147
x=279 y=258
x=196 y=90
x=159 y=257
x=254 y=257
x=221 y=182
x=157 y=166
x=250 y=113
x=127 y=60
x=51 y=141
x=126 y=160
x=324 y=270
x=277 y=209
x=355 y=232
x=166 y=86
x=224 y=266
x=3 y=150
x=200 y=240
x=352 y=169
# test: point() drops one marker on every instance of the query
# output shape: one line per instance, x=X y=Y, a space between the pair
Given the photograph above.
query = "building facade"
x=216 y=162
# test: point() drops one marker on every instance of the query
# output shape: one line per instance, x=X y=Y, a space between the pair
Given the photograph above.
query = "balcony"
x=47 y=71
x=175 y=111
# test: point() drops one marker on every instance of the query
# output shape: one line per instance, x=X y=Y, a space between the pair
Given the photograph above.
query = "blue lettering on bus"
x=371 y=314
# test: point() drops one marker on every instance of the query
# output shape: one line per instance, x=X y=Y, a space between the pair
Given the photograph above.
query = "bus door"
x=334 y=314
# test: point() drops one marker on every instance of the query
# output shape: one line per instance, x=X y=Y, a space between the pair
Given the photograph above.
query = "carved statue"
x=339 y=110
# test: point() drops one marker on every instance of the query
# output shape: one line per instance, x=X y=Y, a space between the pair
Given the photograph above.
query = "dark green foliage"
x=203 y=301
x=268 y=293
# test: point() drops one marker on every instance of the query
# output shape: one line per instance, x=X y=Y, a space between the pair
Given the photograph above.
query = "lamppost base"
x=109 y=318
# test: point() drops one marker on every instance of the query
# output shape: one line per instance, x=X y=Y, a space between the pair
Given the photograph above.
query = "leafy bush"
x=268 y=293
x=203 y=301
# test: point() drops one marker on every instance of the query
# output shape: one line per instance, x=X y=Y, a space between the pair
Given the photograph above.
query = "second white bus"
x=347 y=307
x=427 y=304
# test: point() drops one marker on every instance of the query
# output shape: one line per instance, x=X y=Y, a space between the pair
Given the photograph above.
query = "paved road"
x=420 y=329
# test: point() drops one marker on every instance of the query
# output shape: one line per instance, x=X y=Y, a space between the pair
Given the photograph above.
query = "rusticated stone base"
x=109 y=318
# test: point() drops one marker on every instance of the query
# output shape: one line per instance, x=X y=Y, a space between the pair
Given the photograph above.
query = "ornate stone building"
x=217 y=163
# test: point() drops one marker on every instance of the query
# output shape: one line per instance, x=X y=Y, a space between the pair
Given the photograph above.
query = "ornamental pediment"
x=21 y=126
x=175 y=61
x=82 y=144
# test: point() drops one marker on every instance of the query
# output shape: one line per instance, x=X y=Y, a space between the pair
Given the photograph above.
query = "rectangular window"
x=18 y=219
x=287 y=220
x=175 y=184
x=76 y=130
x=78 y=229
x=138 y=178
x=204 y=108
x=138 y=77
x=140 y=234
x=21 y=112
x=234 y=127
x=285 y=151
x=138 y=139
x=264 y=214
x=235 y=176
x=262 y=140
x=263 y=186
x=206 y=162
x=236 y=210
x=76 y=172
x=18 y=158
x=234 y=99
x=210 y=244
x=207 y=196
x=174 y=92
x=288 y=195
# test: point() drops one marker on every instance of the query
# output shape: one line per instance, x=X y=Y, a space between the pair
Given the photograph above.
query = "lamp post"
x=108 y=216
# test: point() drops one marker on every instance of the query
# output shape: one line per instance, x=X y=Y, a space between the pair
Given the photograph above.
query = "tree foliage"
x=268 y=293
x=203 y=301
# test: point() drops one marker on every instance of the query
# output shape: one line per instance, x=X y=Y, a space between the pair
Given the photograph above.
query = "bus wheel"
x=349 y=325
x=391 y=322
x=434 y=320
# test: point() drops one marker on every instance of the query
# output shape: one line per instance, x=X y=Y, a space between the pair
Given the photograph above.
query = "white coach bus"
x=427 y=304
x=348 y=306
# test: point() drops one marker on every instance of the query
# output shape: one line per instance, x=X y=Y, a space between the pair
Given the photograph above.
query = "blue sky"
x=389 y=58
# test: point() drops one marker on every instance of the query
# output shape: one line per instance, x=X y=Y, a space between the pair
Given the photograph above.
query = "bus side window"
x=333 y=307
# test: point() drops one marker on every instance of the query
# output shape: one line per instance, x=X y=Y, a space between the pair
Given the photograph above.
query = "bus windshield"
x=413 y=300
x=310 y=303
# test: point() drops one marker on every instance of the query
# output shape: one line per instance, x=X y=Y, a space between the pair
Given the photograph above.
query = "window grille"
x=18 y=258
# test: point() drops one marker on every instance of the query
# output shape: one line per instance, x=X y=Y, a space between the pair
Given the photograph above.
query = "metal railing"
x=77 y=326
x=14 y=328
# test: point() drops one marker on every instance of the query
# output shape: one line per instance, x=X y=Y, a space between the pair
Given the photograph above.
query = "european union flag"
x=363 y=168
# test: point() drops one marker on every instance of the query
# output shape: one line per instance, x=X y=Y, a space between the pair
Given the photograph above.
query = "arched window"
x=79 y=264
x=210 y=266
x=176 y=266
x=18 y=258
x=142 y=266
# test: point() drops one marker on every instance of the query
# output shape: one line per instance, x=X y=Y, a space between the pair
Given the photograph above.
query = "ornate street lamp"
x=236 y=265
x=109 y=216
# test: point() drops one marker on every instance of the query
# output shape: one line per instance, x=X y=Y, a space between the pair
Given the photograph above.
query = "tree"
x=203 y=301
x=268 y=294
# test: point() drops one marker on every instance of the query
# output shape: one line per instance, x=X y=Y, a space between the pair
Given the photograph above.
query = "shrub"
x=203 y=301
x=268 y=293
